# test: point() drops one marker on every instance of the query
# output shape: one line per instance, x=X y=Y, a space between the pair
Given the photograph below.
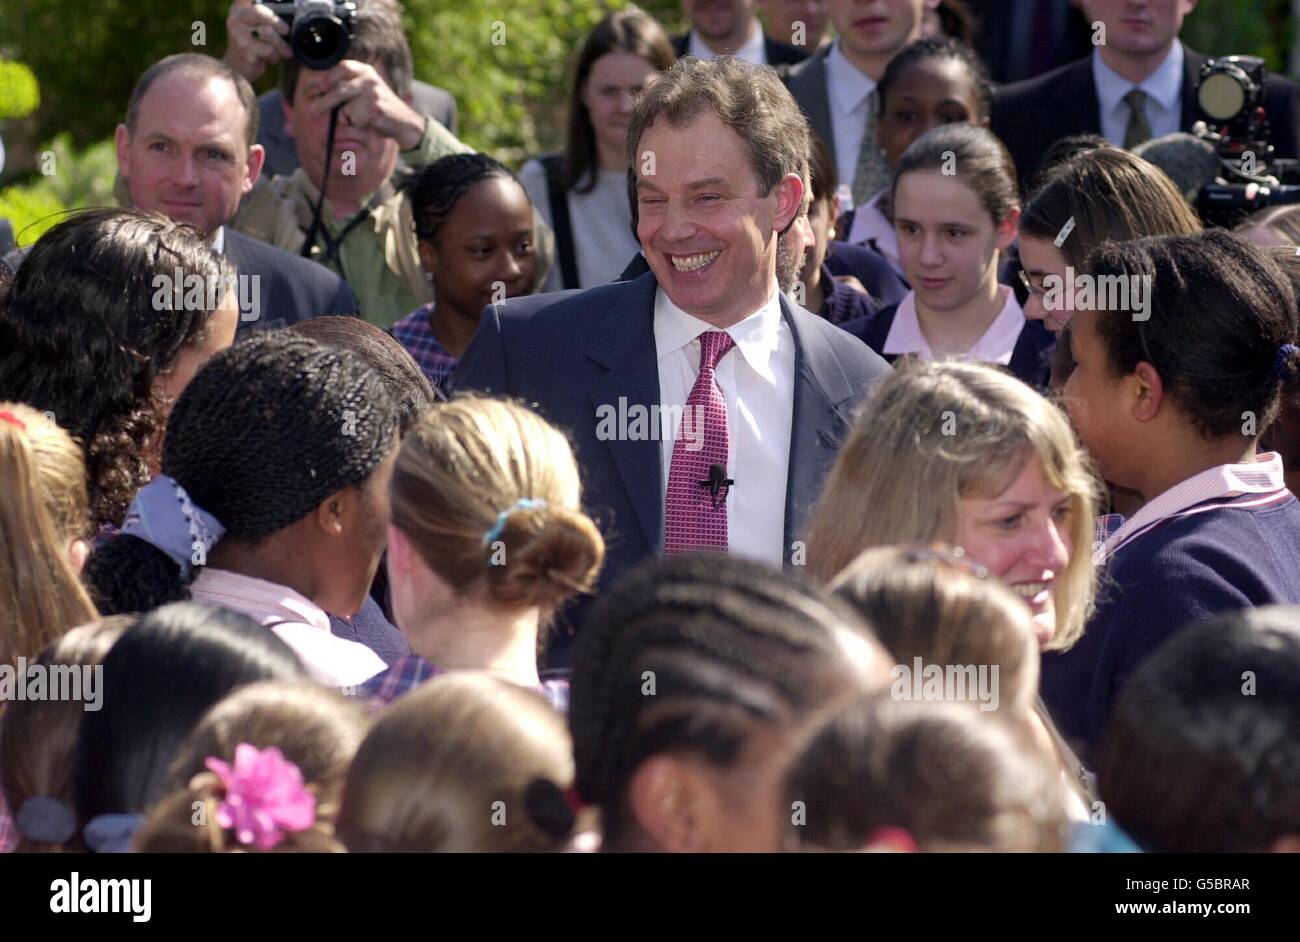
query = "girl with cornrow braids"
x=212 y=529
x=691 y=681
x=475 y=227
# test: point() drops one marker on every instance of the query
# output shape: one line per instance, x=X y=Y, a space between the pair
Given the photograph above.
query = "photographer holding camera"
x=363 y=227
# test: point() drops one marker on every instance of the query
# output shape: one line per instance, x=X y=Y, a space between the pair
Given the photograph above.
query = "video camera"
x=320 y=31
x=1230 y=94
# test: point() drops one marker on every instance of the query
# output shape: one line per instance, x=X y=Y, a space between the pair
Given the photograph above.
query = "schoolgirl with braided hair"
x=474 y=222
x=284 y=551
x=691 y=681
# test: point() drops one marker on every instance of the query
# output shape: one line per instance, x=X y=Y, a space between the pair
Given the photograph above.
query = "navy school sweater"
x=1180 y=571
x=1030 y=360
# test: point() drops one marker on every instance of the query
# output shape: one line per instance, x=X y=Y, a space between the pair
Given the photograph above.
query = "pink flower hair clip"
x=265 y=796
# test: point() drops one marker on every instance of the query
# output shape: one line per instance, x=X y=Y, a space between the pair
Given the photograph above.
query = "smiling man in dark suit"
x=1140 y=83
x=186 y=150
x=705 y=408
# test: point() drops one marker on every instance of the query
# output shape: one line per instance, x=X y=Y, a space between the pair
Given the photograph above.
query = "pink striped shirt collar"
x=1262 y=476
x=296 y=620
x=260 y=600
x=996 y=345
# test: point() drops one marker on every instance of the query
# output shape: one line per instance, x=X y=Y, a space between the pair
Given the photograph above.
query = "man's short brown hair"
x=378 y=39
x=749 y=99
x=195 y=63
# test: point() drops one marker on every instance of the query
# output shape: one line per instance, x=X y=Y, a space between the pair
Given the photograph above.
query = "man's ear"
x=256 y=160
x=287 y=108
x=789 y=200
x=666 y=802
x=1149 y=391
x=122 y=140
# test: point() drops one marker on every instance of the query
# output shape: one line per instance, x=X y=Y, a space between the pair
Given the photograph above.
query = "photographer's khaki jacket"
x=378 y=258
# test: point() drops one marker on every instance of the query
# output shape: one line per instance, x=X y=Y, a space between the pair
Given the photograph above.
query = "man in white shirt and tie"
x=704 y=406
x=1139 y=83
x=835 y=88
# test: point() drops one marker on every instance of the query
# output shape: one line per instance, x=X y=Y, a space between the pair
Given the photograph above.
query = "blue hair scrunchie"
x=163 y=515
x=1282 y=361
x=524 y=503
x=111 y=833
x=46 y=820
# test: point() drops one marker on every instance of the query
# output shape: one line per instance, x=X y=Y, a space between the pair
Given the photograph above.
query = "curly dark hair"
x=319 y=416
x=86 y=330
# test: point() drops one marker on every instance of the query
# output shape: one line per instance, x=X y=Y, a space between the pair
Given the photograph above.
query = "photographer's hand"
x=253 y=39
x=368 y=102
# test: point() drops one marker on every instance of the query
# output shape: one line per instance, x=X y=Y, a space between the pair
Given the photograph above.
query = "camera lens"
x=1222 y=95
x=319 y=42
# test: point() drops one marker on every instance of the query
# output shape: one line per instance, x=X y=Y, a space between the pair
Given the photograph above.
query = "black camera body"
x=320 y=31
x=1230 y=98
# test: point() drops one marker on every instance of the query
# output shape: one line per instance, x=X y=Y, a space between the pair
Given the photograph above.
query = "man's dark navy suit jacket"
x=569 y=353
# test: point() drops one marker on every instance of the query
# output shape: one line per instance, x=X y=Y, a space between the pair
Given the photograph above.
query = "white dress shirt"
x=847 y=90
x=219 y=240
x=995 y=345
x=753 y=50
x=299 y=622
x=1164 y=90
x=757 y=382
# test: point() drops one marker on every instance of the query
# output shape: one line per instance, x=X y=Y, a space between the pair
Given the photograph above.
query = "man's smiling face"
x=708 y=233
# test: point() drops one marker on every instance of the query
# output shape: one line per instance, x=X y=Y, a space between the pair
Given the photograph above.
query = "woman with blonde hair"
x=44 y=525
x=487 y=539
x=966 y=454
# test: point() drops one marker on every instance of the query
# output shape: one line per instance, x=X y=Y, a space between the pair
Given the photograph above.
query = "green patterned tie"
x=1138 y=129
x=872 y=174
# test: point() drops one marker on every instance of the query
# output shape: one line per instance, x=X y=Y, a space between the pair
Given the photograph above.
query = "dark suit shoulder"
x=860 y=363
x=254 y=256
x=781 y=53
x=1039 y=85
x=809 y=69
x=874 y=328
x=541 y=310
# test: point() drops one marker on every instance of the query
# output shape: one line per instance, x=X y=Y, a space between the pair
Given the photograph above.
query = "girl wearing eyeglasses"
x=1100 y=195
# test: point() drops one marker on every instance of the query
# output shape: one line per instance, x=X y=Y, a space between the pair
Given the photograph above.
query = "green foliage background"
x=86 y=55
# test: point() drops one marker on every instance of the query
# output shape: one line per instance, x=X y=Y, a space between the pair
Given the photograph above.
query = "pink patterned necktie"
x=692 y=521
